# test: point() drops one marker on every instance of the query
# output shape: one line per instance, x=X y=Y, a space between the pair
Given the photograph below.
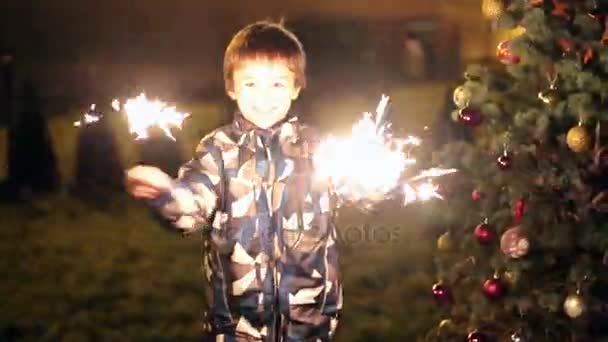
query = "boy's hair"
x=265 y=40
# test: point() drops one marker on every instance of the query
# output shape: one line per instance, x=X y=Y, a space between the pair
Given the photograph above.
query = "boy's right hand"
x=147 y=182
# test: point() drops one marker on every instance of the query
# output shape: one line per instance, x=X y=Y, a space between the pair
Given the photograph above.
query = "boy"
x=271 y=255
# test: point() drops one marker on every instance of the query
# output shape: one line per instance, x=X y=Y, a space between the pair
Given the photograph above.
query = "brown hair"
x=265 y=40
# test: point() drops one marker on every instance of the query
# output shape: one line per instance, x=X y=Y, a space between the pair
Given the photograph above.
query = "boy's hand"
x=147 y=182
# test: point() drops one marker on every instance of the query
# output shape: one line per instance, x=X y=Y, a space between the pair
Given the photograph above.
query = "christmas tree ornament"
x=442 y=293
x=516 y=337
x=567 y=45
x=505 y=54
x=469 y=116
x=513 y=243
x=476 y=336
x=491 y=9
x=493 y=288
x=587 y=55
x=444 y=243
x=462 y=96
x=484 y=233
x=504 y=161
x=550 y=96
x=574 y=305
x=476 y=195
x=561 y=9
x=536 y=3
x=520 y=336
x=579 y=139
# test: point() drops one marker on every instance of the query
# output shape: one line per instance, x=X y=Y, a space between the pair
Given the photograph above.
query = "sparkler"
x=369 y=165
x=89 y=117
x=142 y=114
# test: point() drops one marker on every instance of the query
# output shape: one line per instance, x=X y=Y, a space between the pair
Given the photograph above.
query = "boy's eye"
x=249 y=84
x=279 y=85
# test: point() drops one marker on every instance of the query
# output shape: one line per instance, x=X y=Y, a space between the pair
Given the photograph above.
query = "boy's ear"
x=295 y=93
x=231 y=94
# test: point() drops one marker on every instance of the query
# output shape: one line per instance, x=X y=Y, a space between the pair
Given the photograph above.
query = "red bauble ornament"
x=484 y=233
x=476 y=336
x=566 y=45
x=505 y=161
x=476 y=195
x=442 y=293
x=561 y=9
x=469 y=116
x=505 y=54
x=588 y=53
x=493 y=288
x=520 y=208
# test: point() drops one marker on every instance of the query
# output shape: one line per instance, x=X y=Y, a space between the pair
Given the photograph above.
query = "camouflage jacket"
x=271 y=259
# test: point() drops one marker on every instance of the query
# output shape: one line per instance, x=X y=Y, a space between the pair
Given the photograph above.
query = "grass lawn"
x=75 y=273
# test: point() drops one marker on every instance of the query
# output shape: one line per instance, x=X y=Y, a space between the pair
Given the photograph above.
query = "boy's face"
x=263 y=90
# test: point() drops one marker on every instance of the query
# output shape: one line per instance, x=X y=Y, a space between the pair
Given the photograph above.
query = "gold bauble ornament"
x=444 y=243
x=574 y=306
x=578 y=139
x=491 y=9
x=462 y=96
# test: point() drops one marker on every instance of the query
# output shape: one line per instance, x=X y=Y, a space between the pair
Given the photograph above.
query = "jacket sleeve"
x=189 y=204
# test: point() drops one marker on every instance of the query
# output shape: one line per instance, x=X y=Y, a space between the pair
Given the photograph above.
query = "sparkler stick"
x=381 y=113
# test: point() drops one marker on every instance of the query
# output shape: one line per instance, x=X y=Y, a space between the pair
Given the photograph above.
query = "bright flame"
x=362 y=164
x=143 y=114
x=370 y=163
x=422 y=192
x=116 y=105
x=88 y=117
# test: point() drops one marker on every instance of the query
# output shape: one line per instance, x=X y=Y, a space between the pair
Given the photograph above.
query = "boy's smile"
x=263 y=90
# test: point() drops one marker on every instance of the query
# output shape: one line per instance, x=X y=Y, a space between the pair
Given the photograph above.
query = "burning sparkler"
x=142 y=114
x=369 y=165
x=89 y=117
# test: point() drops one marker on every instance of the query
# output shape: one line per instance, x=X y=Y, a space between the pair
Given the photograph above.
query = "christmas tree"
x=523 y=252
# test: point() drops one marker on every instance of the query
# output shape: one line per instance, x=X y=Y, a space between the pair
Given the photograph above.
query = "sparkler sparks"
x=89 y=117
x=369 y=164
x=143 y=114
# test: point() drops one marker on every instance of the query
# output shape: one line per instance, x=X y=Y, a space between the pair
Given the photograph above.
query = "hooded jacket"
x=270 y=256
